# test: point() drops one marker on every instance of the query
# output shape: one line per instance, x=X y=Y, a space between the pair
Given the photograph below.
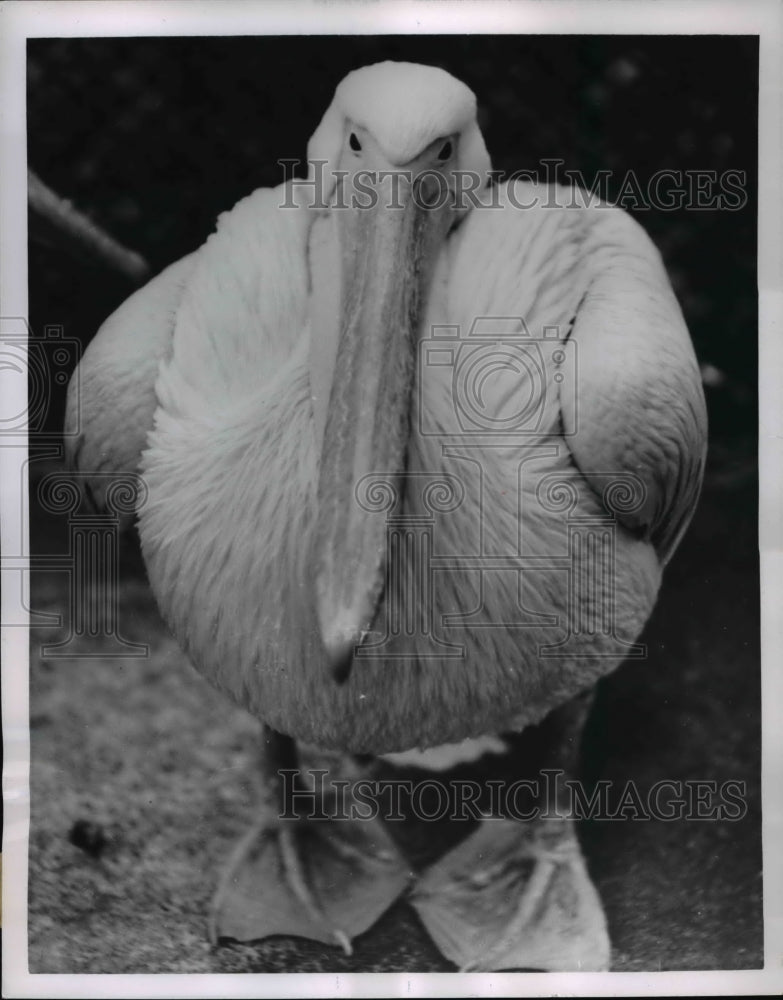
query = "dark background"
x=152 y=138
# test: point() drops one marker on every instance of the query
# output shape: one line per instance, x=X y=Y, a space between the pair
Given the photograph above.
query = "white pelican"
x=384 y=527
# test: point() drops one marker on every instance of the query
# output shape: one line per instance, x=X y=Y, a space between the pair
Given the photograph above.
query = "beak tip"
x=339 y=652
x=341 y=667
x=339 y=643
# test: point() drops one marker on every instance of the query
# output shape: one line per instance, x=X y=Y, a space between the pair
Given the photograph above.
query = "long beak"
x=387 y=258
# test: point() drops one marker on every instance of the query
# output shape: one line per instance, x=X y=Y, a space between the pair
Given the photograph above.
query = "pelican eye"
x=445 y=150
x=354 y=143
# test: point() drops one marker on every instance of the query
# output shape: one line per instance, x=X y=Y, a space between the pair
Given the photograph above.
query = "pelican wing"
x=639 y=406
x=111 y=397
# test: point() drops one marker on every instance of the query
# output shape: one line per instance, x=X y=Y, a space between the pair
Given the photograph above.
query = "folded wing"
x=639 y=406
x=111 y=397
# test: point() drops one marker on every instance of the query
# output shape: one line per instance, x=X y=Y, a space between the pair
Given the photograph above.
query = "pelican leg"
x=314 y=873
x=517 y=894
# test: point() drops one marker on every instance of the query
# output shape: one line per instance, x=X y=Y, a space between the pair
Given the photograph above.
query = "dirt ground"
x=153 y=775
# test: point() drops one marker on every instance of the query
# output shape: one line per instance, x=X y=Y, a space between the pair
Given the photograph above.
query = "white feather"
x=232 y=462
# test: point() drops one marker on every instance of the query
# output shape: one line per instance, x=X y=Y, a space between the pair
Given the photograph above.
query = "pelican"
x=415 y=462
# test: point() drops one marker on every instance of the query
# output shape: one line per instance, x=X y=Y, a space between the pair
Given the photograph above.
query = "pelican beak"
x=388 y=250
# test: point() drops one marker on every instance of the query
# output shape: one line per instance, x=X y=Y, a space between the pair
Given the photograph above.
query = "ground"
x=153 y=775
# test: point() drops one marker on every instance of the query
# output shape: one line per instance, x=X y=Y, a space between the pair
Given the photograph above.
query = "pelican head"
x=392 y=148
x=401 y=110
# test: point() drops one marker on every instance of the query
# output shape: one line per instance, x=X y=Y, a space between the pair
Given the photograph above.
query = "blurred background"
x=152 y=139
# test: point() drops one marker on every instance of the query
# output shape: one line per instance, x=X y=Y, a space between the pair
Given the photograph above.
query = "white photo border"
x=79 y=18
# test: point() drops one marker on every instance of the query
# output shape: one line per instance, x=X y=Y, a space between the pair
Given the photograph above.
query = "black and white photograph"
x=382 y=549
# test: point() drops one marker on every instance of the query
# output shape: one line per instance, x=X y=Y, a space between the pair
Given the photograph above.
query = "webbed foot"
x=325 y=879
x=515 y=896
